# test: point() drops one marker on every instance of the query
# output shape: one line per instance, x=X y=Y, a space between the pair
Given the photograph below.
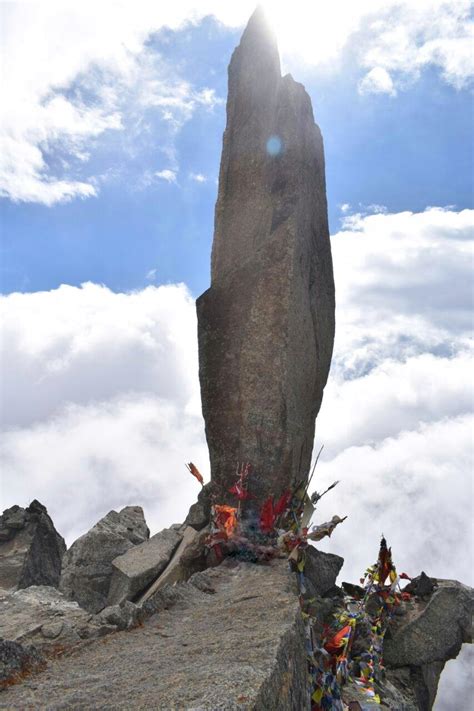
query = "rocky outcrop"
x=87 y=566
x=433 y=630
x=31 y=550
x=41 y=616
x=230 y=638
x=437 y=621
x=133 y=571
x=266 y=325
x=321 y=571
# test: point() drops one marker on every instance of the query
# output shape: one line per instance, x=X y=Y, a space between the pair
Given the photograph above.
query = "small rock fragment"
x=52 y=630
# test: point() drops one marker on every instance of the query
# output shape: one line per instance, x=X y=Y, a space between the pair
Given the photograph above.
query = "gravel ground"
x=230 y=649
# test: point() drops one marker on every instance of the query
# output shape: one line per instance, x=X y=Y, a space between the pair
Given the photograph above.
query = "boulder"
x=199 y=514
x=133 y=571
x=421 y=586
x=31 y=550
x=87 y=566
x=432 y=631
x=321 y=571
x=266 y=324
x=419 y=643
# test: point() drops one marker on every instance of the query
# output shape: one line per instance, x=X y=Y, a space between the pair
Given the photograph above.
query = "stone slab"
x=141 y=565
x=175 y=571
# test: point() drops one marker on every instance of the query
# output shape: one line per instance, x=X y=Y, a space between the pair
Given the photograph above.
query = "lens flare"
x=274 y=146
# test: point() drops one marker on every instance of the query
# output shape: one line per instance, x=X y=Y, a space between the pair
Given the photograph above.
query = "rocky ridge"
x=225 y=637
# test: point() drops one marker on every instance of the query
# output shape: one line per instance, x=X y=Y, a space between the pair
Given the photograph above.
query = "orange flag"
x=333 y=645
x=195 y=472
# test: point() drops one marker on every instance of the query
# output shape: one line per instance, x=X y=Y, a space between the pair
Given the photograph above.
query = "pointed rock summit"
x=266 y=324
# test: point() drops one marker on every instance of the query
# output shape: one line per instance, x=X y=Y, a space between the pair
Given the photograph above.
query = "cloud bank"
x=397 y=413
x=85 y=366
x=100 y=402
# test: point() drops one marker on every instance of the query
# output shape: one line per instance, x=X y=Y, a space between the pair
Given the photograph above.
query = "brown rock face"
x=266 y=325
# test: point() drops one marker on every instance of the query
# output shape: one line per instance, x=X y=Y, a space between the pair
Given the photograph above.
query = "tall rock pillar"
x=266 y=324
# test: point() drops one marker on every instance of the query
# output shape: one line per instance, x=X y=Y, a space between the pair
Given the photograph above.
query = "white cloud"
x=403 y=287
x=198 y=177
x=394 y=40
x=89 y=70
x=151 y=275
x=88 y=459
x=415 y=489
x=456 y=681
x=168 y=175
x=398 y=395
x=377 y=81
x=100 y=402
x=81 y=345
x=396 y=418
x=405 y=38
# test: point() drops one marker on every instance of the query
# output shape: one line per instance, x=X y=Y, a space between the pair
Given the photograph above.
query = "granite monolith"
x=266 y=324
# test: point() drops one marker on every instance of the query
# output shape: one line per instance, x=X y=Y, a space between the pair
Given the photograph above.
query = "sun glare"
x=312 y=30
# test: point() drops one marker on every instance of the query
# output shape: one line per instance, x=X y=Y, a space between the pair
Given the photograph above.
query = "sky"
x=111 y=132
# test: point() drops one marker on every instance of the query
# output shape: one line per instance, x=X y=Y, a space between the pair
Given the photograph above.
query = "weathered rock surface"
x=31 y=549
x=321 y=571
x=199 y=514
x=422 y=586
x=241 y=647
x=16 y=660
x=230 y=637
x=87 y=565
x=43 y=617
x=266 y=325
x=121 y=617
x=431 y=632
x=133 y=571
